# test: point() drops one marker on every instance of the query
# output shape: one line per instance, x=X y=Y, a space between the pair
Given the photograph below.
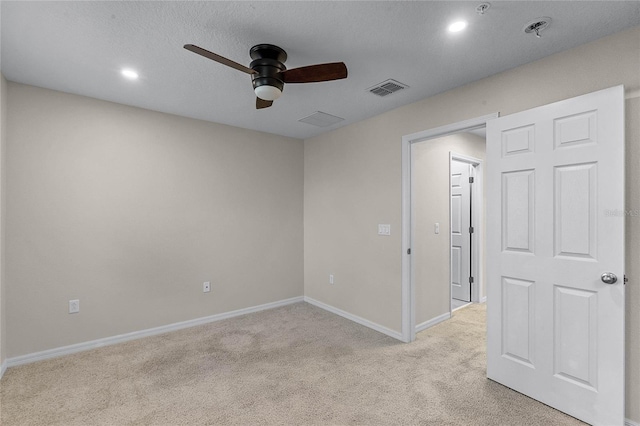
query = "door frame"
x=477 y=220
x=408 y=287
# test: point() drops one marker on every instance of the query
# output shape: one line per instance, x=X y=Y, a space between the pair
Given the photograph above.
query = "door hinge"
x=625 y=280
x=470 y=280
x=471 y=229
x=408 y=251
x=471 y=179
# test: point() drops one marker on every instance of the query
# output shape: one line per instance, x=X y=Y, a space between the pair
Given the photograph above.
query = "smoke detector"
x=537 y=26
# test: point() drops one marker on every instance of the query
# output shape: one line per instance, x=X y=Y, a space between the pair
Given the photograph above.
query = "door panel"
x=517 y=141
x=456 y=214
x=518 y=320
x=456 y=279
x=518 y=210
x=575 y=336
x=575 y=129
x=460 y=237
x=575 y=210
x=555 y=330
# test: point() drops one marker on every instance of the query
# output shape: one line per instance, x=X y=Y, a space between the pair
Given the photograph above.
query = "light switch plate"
x=436 y=228
x=74 y=306
x=384 y=229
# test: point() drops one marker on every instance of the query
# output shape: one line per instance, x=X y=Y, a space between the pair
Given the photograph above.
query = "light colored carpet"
x=296 y=365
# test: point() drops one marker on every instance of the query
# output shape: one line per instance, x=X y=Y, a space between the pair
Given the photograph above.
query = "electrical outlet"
x=206 y=287
x=330 y=278
x=74 y=306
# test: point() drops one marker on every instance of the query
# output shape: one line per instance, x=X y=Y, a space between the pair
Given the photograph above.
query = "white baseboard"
x=355 y=318
x=483 y=299
x=433 y=321
x=628 y=422
x=461 y=307
x=3 y=368
x=93 y=344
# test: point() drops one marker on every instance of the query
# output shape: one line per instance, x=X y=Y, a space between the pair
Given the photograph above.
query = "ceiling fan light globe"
x=268 y=93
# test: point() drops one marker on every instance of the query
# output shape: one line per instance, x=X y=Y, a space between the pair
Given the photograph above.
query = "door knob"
x=609 y=278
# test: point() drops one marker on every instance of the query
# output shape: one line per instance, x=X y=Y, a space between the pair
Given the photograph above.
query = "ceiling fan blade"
x=261 y=103
x=316 y=73
x=220 y=59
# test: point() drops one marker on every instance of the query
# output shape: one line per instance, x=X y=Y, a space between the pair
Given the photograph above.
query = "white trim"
x=433 y=321
x=372 y=325
x=460 y=307
x=408 y=289
x=628 y=422
x=3 y=368
x=450 y=263
x=465 y=158
x=93 y=344
x=483 y=299
x=460 y=126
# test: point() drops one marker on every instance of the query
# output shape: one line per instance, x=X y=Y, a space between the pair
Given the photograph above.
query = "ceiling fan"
x=269 y=74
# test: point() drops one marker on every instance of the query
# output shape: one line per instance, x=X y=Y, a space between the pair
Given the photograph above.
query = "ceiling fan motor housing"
x=268 y=62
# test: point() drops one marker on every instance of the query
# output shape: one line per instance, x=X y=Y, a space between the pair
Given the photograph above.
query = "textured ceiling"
x=80 y=47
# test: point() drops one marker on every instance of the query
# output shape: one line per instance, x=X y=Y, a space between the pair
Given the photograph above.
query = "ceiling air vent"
x=321 y=119
x=387 y=87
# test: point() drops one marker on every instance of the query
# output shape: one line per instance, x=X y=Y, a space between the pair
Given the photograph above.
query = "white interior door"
x=460 y=236
x=554 y=226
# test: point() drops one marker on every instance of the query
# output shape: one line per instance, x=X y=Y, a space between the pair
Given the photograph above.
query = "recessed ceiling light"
x=457 y=26
x=130 y=74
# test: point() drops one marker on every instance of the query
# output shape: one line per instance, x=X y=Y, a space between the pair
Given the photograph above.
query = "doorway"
x=426 y=225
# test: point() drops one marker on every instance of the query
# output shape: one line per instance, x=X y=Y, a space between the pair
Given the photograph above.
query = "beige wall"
x=3 y=181
x=430 y=252
x=353 y=181
x=632 y=192
x=130 y=211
